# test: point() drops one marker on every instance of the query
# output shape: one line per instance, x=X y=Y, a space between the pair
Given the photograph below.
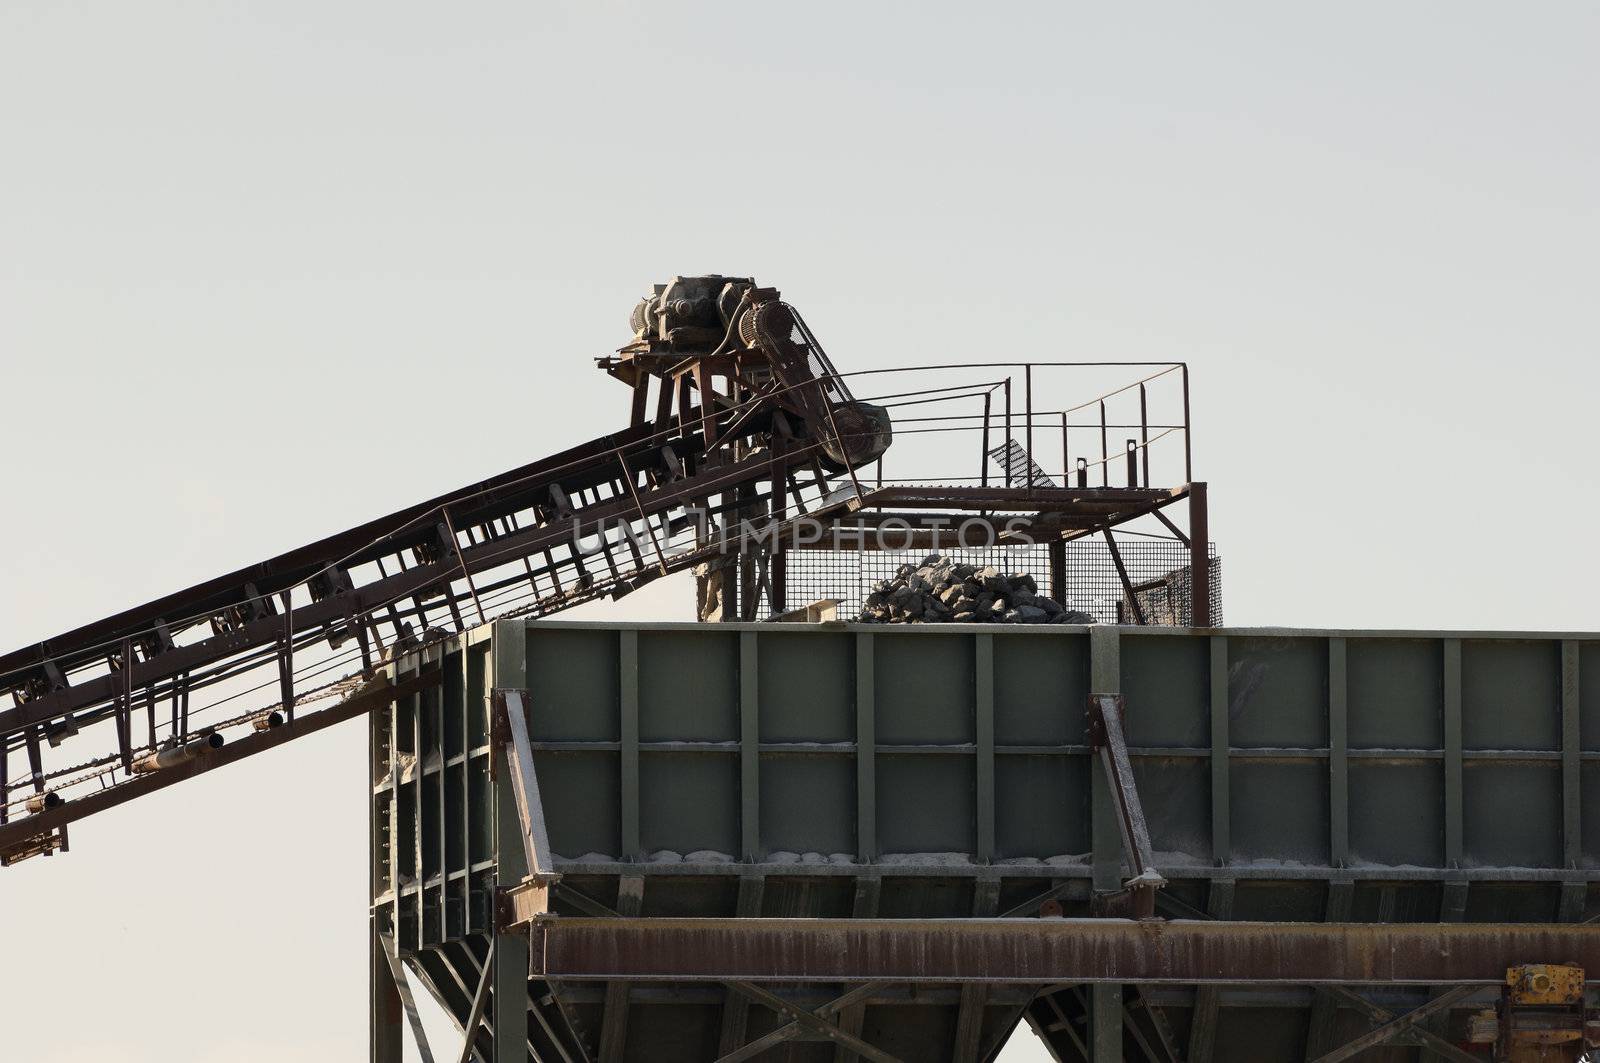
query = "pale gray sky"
x=273 y=269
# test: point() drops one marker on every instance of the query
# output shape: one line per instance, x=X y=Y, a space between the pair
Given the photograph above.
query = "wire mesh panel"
x=1157 y=568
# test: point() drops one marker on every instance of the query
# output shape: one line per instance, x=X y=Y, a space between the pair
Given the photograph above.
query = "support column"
x=614 y=1017
x=1571 y=760
x=510 y=959
x=1105 y=677
x=975 y=995
x=1221 y=807
x=1325 y=1007
x=1453 y=779
x=1199 y=557
x=736 y=1008
x=984 y=776
x=1203 y=1024
x=866 y=752
x=851 y=1019
x=384 y=1037
x=1338 y=757
x=749 y=748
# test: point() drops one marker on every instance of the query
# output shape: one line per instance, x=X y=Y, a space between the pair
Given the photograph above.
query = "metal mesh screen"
x=1158 y=570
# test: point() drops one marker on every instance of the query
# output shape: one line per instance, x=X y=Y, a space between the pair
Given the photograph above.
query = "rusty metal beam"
x=1046 y=951
x=1020 y=498
x=1201 y=605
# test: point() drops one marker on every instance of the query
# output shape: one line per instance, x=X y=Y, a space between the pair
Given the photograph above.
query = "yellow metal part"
x=1545 y=983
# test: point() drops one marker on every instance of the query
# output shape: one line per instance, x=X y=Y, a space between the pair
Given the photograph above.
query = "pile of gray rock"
x=939 y=591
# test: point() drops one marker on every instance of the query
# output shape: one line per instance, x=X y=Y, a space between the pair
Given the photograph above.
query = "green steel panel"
x=807 y=688
x=1174 y=792
x=1165 y=684
x=1512 y=814
x=845 y=771
x=925 y=805
x=1042 y=807
x=1511 y=695
x=688 y=686
x=1397 y=813
x=587 y=789
x=573 y=683
x=1277 y=692
x=1038 y=678
x=1279 y=810
x=924 y=688
x=808 y=805
x=1590 y=774
x=1395 y=691
x=1589 y=695
x=689 y=803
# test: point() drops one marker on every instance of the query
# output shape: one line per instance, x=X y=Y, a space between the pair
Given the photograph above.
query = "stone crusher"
x=750 y=416
x=750 y=422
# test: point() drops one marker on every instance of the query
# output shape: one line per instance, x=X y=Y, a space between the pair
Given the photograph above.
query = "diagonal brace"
x=795 y=1028
x=480 y=1003
x=812 y=1022
x=531 y=897
x=403 y=987
x=799 y=1019
x=1404 y=1024
x=1379 y=1014
x=1107 y=740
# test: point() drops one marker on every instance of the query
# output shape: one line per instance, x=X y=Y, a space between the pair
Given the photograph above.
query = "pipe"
x=48 y=799
x=265 y=723
x=172 y=756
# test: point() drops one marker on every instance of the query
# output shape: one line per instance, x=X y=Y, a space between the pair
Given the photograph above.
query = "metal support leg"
x=1105 y=999
x=408 y=1003
x=510 y=975
x=614 y=1020
x=1203 y=1022
x=851 y=1019
x=384 y=1039
x=509 y=961
x=1105 y=1023
x=736 y=1010
x=1199 y=557
x=1324 y=1007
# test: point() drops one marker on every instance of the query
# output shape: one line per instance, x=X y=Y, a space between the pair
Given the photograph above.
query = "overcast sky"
x=273 y=269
